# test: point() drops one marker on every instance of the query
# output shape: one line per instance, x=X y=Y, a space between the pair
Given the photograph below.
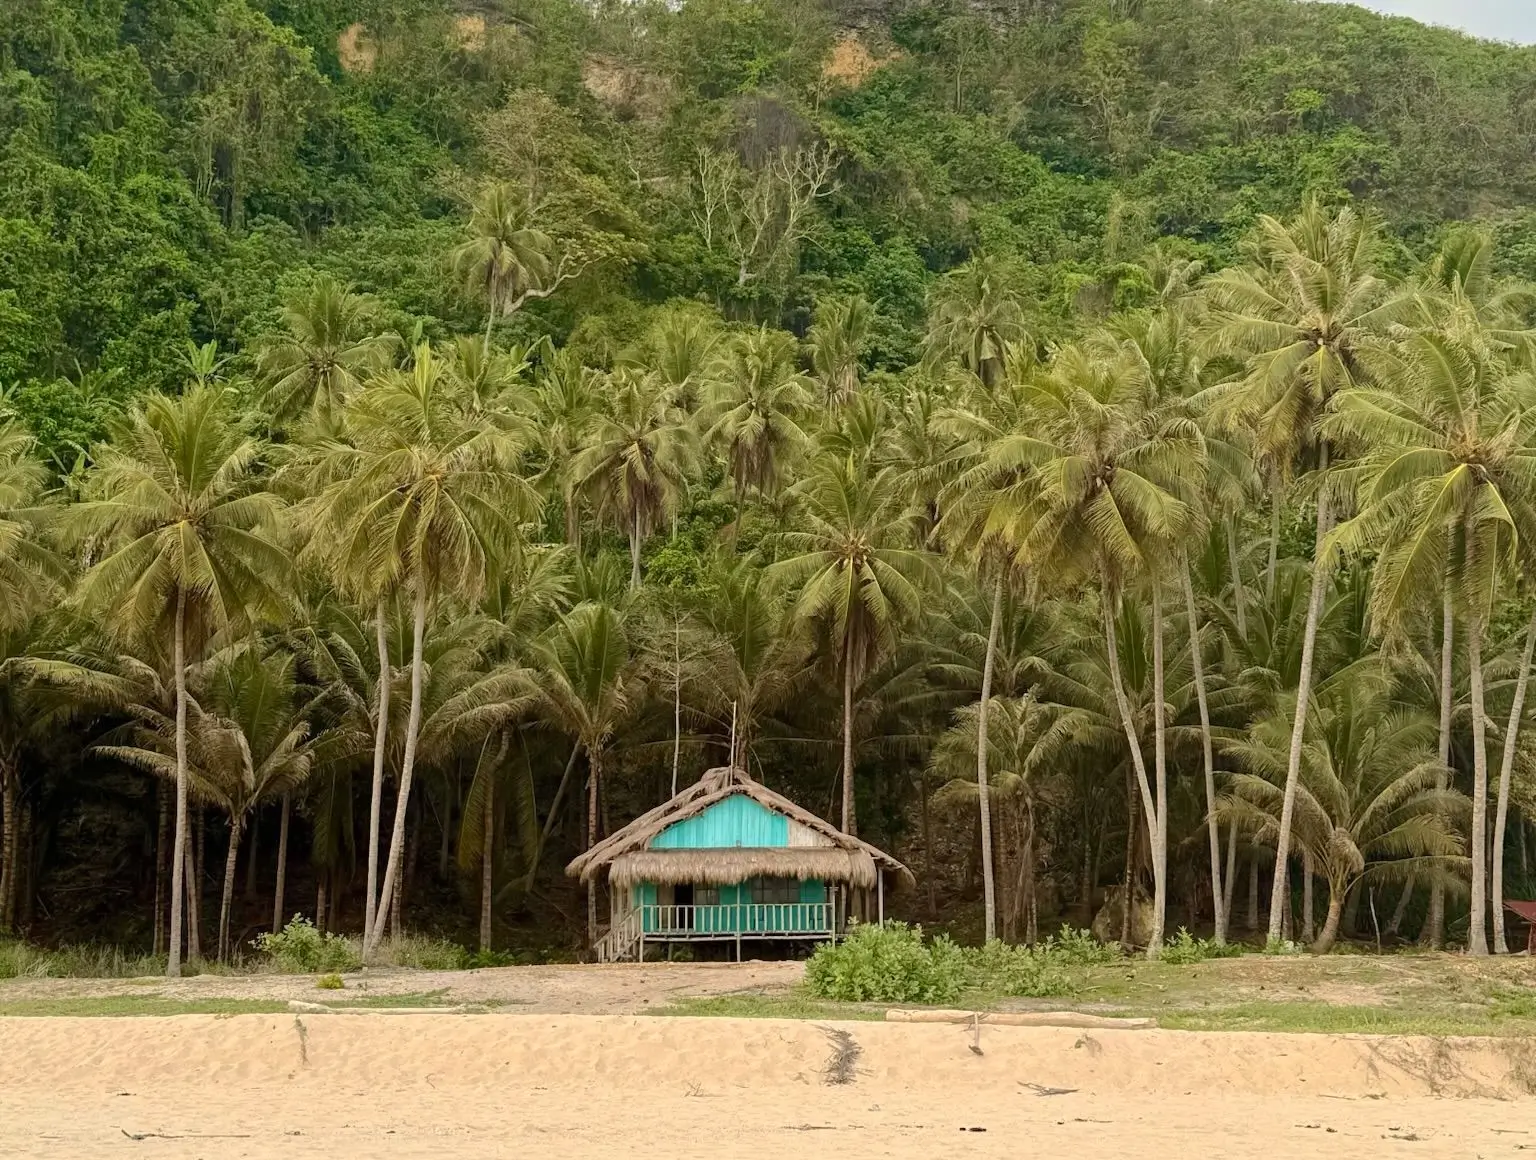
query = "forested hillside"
x=434 y=429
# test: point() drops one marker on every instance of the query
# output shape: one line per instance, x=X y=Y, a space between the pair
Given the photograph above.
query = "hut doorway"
x=682 y=897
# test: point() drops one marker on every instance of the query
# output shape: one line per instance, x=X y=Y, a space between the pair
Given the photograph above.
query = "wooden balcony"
x=728 y=922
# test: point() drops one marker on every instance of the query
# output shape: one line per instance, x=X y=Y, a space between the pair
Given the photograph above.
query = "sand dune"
x=587 y=1086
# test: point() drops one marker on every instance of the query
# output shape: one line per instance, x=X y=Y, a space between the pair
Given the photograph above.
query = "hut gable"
x=725 y=826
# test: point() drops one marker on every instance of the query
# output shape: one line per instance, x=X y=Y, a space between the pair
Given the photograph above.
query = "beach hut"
x=728 y=860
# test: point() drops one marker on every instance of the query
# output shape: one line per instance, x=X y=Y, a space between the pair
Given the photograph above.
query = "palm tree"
x=1305 y=319
x=754 y=398
x=428 y=497
x=1367 y=808
x=328 y=348
x=974 y=314
x=639 y=454
x=565 y=404
x=1448 y=495
x=175 y=506
x=1109 y=485
x=506 y=260
x=585 y=682
x=856 y=577
x=836 y=342
x=248 y=739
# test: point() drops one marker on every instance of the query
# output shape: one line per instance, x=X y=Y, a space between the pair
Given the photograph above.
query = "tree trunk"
x=1434 y=922
x=1506 y=767
x=677 y=699
x=1277 y=497
x=634 y=550
x=927 y=815
x=1138 y=761
x=1213 y=829
x=178 y=857
x=1477 y=932
x=1133 y=820
x=487 y=856
x=490 y=321
x=8 y=861
x=988 y=885
x=1396 y=922
x=1229 y=879
x=1308 y=929
x=1330 y=932
x=252 y=855
x=1239 y=594
x=192 y=884
x=1253 y=890
x=572 y=521
x=1160 y=764
x=162 y=863
x=380 y=742
x=1303 y=703
x=850 y=822
x=282 y=868
x=392 y=868
x=236 y=828
x=322 y=879
x=594 y=774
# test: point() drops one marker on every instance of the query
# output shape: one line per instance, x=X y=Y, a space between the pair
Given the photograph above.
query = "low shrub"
x=1184 y=948
x=300 y=949
x=1079 y=948
x=330 y=983
x=19 y=960
x=888 y=964
x=424 y=953
x=1027 y=972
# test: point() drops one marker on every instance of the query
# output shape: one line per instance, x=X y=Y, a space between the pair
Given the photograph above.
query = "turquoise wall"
x=727 y=918
x=736 y=821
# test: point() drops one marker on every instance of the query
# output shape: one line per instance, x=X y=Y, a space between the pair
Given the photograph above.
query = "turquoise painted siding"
x=736 y=911
x=736 y=821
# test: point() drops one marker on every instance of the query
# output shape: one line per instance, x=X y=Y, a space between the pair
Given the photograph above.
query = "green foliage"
x=1185 y=948
x=1026 y=972
x=887 y=964
x=423 y=953
x=330 y=983
x=300 y=949
x=20 y=960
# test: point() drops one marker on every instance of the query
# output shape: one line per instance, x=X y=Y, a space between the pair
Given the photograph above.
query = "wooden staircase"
x=621 y=942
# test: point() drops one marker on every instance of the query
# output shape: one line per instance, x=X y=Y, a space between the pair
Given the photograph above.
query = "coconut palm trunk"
x=179 y=855
x=634 y=549
x=1330 y=932
x=487 y=864
x=850 y=822
x=8 y=835
x=376 y=795
x=393 y=868
x=1277 y=907
x=594 y=775
x=1160 y=768
x=1138 y=762
x=1477 y=932
x=226 y=901
x=1434 y=922
x=282 y=866
x=1229 y=878
x=1213 y=828
x=1506 y=767
x=1239 y=593
x=988 y=883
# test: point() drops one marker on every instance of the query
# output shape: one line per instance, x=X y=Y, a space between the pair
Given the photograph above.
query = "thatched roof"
x=837 y=857
x=725 y=867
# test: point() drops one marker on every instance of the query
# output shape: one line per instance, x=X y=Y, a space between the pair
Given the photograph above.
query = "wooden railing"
x=620 y=941
x=767 y=919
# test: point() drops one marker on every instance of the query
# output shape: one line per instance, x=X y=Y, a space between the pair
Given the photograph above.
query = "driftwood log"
x=1019 y=1019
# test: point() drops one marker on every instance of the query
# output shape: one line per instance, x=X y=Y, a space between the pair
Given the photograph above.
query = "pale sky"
x=1498 y=19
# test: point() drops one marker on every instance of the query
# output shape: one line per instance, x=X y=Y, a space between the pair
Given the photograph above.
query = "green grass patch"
x=1336 y=1019
x=120 y=1006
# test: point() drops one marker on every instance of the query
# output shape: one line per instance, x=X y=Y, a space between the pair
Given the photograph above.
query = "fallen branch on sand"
x=321 y=1009
x=1018 y=1019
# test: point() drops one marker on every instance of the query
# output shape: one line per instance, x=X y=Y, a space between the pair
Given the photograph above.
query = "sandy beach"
x=586 y=1086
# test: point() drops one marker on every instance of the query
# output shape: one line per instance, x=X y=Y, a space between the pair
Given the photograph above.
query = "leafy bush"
x=1079 y=948
x=887 y=964
x=330 y=983
x=300 y=949
x=1024 y=971
x=474 y=960
x=1186 y=948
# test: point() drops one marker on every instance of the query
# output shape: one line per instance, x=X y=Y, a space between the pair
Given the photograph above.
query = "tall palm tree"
x=1109 y=486
x=427 y=497
x=1449 y=493
x=585 y=681
x=754 y=400
x=327 y=349
x=836 y=342
x=974 y=314
x=1306 y=318
x=639 y=453
x=1367 y=808
x=856 y=576
x=177 y=509
x=565 y=403
x=506 y=259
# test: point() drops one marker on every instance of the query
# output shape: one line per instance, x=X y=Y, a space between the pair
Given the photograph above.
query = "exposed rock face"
x=1106 y=924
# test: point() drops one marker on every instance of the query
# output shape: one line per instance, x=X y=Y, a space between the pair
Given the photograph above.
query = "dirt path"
x=621 y=989
x=583 y=1087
